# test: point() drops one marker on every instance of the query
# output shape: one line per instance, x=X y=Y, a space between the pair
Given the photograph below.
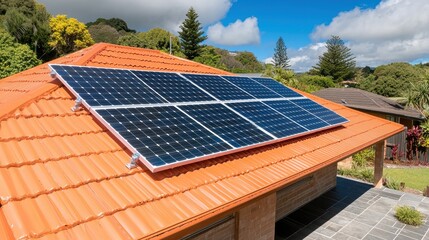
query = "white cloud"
x=395 y=30
x=269 y=60
x=306 y=57
x=237 y=33
x=141 y=14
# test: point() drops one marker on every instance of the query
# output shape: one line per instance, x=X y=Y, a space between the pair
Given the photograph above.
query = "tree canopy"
x=14 y=57
x=191 y=35
x=104 y=33
x=337 y=62
x=117 y=23
x=68 y=35
x=280 y=55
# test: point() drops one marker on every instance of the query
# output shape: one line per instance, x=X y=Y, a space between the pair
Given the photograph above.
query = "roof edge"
x=27 y=98
x=183 y=228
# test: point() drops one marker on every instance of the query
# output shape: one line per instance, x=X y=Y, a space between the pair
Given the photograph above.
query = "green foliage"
x=191 y=35
x=418 y=96
x=283 y=76
x=155 y=38
x=364 y=174
x=249 y=62
x=209 y=56
x=409 y=215
x=415 y=178
x=68 y=35
x=14 y=57
x=280 y=55
x=363 y=158
x=313 y=83
x=104 y=33
x=337 y=62
x=117 y=23
x=132 y=40
x=392 y=183
x=392 y=80
x=28 y=22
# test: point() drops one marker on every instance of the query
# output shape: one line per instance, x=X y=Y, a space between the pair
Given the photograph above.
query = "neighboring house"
x=63 y=175
x=376 y=105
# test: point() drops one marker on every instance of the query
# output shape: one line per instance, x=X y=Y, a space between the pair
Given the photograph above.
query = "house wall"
x=303 y=191
x=257 y=219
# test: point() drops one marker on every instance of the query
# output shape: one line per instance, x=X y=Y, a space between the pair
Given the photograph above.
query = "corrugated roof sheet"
x=363 y=100
x=63 y=175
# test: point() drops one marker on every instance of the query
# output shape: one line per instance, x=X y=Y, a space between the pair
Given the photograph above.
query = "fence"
x=400 y=139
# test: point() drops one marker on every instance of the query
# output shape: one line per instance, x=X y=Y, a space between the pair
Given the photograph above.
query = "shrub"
x=363 y=158
x=409 y=215
x=392 y=183
x=364 y=174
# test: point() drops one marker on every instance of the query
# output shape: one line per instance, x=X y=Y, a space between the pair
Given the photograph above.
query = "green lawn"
x=415 y=178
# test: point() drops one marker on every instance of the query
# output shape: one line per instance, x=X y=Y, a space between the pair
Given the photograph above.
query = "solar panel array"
x=172 y=119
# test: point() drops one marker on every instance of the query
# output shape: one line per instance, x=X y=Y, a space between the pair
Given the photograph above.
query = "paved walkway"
x=355 y=210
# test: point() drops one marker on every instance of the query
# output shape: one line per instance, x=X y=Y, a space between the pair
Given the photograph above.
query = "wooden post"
x=378 y=164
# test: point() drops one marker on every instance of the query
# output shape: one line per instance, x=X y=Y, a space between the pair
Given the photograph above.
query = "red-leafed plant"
x=396 y=153
x=414 y=142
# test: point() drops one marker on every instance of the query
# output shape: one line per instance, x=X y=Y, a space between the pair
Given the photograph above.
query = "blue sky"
x=377 y=31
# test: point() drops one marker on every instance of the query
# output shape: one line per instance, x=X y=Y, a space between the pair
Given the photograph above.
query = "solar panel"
x=320 y=111
x=227 y=124
x=106 y=87
x=269 y=119
x=218 y=87
x=163 y=135
x=253 y=87
x=171 y=119
x=297 y=114
x=173 y=87
x=277 y=87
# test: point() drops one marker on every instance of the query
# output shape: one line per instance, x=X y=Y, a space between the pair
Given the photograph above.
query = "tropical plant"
x=414 y=142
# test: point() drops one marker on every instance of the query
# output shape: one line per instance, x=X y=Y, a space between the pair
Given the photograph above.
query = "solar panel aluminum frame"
x=82 y=103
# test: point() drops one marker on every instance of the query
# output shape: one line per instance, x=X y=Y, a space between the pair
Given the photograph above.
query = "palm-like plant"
x=418 y=97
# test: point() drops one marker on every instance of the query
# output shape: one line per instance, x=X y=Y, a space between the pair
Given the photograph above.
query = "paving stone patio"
x=355 y=210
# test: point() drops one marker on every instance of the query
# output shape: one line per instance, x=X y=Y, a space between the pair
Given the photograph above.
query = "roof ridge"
x=92 y=52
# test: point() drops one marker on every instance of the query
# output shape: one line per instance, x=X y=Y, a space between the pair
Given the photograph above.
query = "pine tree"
x=337 y=62
x=280 y=56
x=191 y=35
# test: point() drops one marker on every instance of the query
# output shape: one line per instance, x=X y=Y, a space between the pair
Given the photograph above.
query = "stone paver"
x=355 y=210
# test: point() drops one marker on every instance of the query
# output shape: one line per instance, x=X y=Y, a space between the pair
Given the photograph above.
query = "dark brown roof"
x=363 y=100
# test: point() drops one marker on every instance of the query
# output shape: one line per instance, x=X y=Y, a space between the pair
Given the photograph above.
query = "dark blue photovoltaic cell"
x=277 y=87
x=163 y=135
x=320 y=111
x=106 y=87
x=253 y=87
x=173 y=87
x=297 y=114
x=218 y=87
x=227 y=124
x=267 y=118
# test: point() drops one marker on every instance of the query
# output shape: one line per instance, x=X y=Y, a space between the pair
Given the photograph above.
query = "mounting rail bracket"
x=133 y=163
x=77 y=104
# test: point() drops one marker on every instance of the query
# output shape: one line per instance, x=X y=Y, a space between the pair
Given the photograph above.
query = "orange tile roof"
x=63 y=176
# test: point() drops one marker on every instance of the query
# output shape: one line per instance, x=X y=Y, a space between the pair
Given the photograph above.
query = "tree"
x=104 y=33
x=68 y=35
x=249 y=61
x=132 y=40
x=158 y=38
x=28 y=23
x=392 y=80
x=337 y=62
x=14 y=57
x=280 y=56
x=191 y=35
x=209 y=56
x=117 y=23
